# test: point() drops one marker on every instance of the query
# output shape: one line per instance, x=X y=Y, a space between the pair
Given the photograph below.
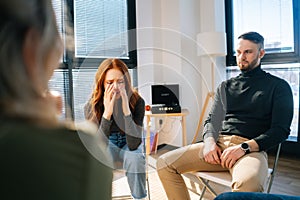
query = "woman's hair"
x=95 y=104
x=20 y=95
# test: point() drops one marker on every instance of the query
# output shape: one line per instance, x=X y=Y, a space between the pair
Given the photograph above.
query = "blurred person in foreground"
x=117 y=108
x=41 y=157
x=251 y=113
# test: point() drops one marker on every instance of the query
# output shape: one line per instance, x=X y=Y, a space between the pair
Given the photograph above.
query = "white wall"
x=167 y=53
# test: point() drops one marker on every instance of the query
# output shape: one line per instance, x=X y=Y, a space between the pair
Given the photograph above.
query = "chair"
x=224 y=178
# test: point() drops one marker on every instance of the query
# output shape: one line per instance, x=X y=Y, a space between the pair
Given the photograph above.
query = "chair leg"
x=148 y=186
x=207 y=186
x=203 y=191
x=274 y=168
x=270 y=183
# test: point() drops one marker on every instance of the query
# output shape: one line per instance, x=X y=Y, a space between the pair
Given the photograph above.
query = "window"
x=104 y=29
x=59 y=82
x=95 y=37
x=58 y=9
x=101 y=29
x=278 y=28
x=277 y=21
x=57 y=6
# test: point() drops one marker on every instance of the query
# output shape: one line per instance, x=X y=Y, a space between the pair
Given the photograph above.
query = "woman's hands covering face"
x=109 y=101
x=112 y=92
x=125 y=102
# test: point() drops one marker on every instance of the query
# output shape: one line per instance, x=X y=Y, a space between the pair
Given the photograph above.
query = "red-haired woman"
x=118 y=110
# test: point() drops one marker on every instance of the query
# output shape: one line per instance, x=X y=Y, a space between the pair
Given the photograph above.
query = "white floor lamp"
x=212 y=45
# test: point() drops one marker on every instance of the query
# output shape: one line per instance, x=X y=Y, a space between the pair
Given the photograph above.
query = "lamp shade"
x=211 y=44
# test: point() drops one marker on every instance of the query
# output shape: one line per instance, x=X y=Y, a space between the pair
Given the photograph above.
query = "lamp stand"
x=210 y=95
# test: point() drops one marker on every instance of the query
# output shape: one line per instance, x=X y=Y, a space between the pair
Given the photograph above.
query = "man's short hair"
x=253 y=37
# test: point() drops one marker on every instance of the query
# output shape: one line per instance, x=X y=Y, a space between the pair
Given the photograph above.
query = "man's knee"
x=252 y=184
x=161 y=163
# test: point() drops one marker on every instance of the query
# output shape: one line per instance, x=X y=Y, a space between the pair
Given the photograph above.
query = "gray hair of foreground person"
x=29 y=39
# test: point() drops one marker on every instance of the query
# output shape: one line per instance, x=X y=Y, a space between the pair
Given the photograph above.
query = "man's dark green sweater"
x=255 y=105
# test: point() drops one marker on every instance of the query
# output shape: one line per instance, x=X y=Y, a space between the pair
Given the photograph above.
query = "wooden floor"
x=286 y=181
x=287 y=178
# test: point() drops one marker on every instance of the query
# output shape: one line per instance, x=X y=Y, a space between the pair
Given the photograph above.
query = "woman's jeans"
x=134 y=163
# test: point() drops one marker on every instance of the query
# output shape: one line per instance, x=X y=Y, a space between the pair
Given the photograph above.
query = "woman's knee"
x=134 y=157
x=135 y=162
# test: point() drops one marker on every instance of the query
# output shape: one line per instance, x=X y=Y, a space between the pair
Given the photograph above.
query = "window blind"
x=100 y=28
x=57 y=6
x=83 y=82
x=59 y=83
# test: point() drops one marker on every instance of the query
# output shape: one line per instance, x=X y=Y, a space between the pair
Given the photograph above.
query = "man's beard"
x=250 y=66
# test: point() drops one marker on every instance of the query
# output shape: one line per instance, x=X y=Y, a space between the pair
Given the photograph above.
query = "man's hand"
x=231 y=155
x=211 y=151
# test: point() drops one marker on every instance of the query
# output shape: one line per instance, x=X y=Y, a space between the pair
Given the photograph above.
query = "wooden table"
x=149 y=114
